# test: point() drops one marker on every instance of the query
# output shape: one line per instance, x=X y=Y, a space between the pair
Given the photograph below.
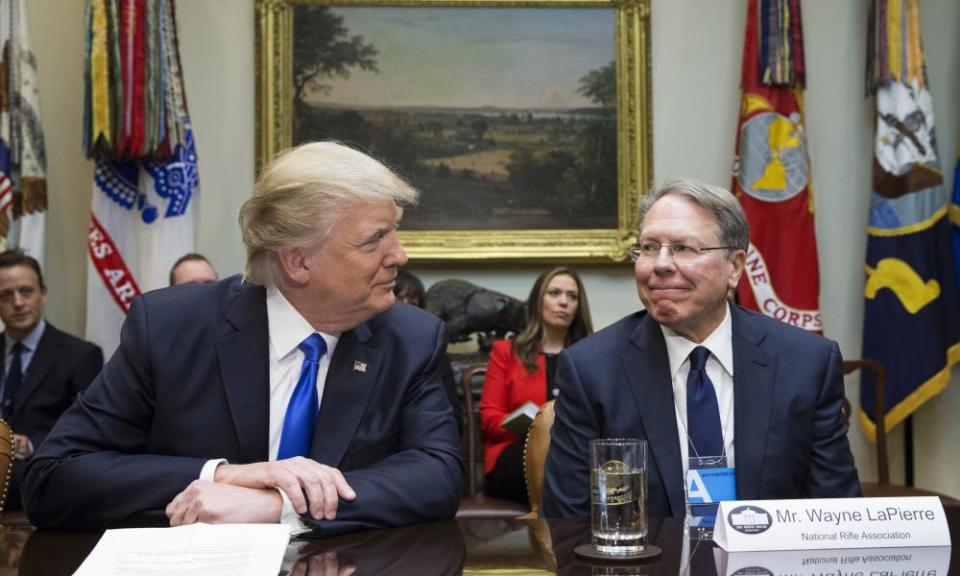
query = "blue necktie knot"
x=698 y=358
x=313 y=347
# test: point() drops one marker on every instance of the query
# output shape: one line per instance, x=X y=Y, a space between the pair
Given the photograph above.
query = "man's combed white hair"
x=732 y=227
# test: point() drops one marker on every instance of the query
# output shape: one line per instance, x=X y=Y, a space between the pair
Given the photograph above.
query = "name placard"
x=831 y=523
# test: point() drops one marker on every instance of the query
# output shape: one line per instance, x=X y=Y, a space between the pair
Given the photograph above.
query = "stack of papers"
x=194 y=550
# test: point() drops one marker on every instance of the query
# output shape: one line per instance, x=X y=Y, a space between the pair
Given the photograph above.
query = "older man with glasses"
x=762 y=398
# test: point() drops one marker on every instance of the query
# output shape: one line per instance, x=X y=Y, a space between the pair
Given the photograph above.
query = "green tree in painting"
x=323 y=49
x=600 y=86
x=590 y=185
x=479 y=128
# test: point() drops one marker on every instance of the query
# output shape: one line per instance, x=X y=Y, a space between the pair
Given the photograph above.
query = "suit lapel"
x=753 y=371
x=648 y=375
x=43 y=359
x=245 y=368
x=350 y=381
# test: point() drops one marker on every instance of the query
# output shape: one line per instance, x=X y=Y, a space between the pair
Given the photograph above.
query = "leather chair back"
x=535 y=455
x=882 y=487
x=880 y=388
x=6 y=459
x=476 y=504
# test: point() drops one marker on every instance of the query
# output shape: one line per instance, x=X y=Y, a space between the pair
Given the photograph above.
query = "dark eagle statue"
x=468 y=308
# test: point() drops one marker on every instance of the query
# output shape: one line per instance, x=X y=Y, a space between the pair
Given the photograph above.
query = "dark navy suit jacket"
x=190 y=382
x=61 y=367
x=789 y=436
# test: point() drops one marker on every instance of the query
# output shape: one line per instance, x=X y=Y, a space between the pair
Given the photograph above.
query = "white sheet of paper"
x=194 y=550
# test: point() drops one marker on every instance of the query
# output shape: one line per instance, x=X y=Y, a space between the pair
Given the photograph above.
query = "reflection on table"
x=473 y=547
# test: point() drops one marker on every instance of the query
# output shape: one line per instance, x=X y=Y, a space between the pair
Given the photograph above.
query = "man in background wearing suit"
x=43 y=368
x=297 y=394
x=766 y=395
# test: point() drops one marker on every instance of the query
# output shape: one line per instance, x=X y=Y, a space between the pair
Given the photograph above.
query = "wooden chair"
x=6 y=459
x=880 y=388
x=535 y=456
x=476 y=504
x=882 y=487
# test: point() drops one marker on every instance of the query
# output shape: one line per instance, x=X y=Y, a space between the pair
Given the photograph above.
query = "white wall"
x=696 y=47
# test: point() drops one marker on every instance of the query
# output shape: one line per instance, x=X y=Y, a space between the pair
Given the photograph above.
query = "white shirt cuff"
x=27 y=454
x=290 y=517
x=210 y=469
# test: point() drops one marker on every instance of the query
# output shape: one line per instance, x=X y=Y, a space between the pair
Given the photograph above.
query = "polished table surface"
x=466 y=546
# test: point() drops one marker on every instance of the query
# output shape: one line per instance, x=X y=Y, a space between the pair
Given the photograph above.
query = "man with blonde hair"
x=299 y=393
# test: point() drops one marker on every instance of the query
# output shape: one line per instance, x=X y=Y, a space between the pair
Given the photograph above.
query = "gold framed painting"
x=525 y=124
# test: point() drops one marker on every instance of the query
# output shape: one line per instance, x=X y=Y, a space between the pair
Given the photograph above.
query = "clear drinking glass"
x=618 y=487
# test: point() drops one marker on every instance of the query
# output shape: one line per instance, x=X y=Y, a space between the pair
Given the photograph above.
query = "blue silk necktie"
x=302 y=410
x=703 y=413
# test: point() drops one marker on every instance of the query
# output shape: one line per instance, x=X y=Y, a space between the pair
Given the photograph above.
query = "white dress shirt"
x=720 y=371
x=287 y=329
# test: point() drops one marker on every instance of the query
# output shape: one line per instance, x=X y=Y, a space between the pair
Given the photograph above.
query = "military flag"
x=23 y=184
x=771 y=175
x=911 y=321
x=955 y=220
x=137 y=131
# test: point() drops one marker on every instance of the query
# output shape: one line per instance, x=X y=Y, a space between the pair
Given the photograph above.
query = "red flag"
x=772 y=169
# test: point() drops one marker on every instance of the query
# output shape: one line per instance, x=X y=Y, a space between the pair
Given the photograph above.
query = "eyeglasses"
x=679 y=252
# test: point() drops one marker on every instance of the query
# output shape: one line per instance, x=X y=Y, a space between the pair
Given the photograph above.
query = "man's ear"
x=292 y=263
x=738 y=262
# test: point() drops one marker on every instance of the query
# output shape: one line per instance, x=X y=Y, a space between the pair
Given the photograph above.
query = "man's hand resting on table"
x=304 y=481
x=222 y=504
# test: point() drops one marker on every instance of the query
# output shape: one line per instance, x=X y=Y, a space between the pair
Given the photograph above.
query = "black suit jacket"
x=62 y=366
x=190 y=382
x=789 y=436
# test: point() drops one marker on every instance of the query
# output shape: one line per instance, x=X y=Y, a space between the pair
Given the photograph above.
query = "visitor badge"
x=709 y=482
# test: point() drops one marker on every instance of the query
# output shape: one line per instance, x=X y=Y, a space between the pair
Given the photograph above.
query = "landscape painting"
x=503 y=116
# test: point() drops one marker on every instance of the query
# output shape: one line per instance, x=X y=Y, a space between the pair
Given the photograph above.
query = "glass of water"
x=618 y=486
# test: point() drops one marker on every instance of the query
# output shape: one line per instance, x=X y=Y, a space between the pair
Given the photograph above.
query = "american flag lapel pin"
x=359 y=366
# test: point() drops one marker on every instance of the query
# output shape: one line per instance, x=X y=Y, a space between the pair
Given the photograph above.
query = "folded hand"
x=306 y=483
x=222 y=503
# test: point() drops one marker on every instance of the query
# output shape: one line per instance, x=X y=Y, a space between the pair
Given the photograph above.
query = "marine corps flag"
x=771 y=175
x=911 y=321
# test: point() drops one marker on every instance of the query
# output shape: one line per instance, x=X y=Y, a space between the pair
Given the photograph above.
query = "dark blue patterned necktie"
x=302 y=410
x=703 y=413
x=14 y=379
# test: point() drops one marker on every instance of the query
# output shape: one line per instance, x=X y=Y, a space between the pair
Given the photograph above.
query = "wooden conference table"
x=466 y=546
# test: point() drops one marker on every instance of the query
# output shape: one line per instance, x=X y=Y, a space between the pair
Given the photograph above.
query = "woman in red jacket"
x=522 y=370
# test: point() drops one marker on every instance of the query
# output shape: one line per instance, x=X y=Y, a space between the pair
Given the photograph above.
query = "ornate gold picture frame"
x=525 y=124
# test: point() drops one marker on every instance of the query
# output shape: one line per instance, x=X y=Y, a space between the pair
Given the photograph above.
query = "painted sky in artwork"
x=475 y=57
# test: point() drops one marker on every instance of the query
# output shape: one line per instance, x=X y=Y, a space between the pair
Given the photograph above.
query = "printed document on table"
x=194 y=550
